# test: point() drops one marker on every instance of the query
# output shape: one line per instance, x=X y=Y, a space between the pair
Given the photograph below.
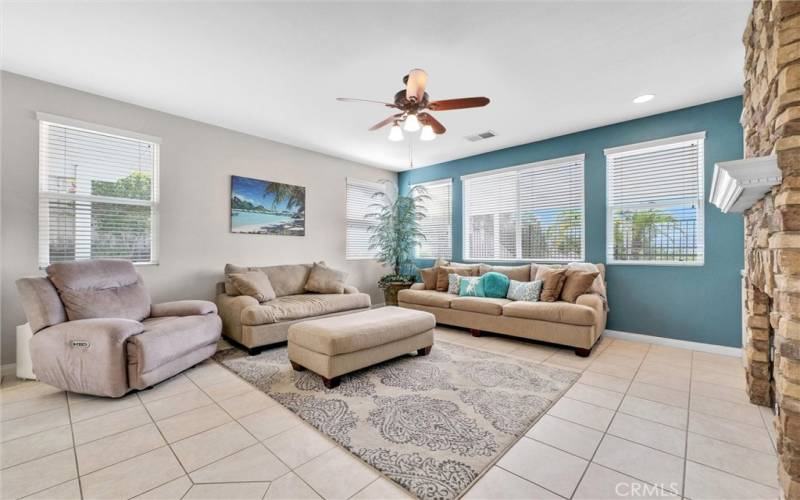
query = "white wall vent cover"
x=738 y=184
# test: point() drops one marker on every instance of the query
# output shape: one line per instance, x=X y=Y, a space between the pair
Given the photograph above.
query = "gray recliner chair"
x=96 y=332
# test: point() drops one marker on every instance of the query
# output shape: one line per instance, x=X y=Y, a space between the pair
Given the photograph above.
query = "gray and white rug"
x=432 y=424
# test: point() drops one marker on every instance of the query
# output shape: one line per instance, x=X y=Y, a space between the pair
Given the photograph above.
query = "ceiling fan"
x=413 y=104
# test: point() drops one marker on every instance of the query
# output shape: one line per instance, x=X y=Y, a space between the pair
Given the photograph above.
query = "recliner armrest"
x=86 y=356
x=183 y=308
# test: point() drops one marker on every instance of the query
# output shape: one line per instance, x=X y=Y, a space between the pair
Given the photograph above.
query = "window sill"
x=654 y=263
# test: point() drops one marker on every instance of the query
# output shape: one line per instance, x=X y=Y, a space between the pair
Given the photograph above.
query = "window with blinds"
x=530 y=212
x=655 y=202
x=359 y=198
x=437 y=224
x=98 y=192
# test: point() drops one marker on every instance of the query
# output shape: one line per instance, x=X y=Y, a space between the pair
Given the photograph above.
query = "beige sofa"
x=96 y=332
x=255 y=325
x=578 y=325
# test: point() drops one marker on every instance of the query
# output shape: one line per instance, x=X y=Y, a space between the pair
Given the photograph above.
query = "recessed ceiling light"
x=643 y=98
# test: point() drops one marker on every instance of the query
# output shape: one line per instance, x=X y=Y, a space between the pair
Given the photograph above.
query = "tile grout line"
x=258 y=441
x=166 y=442
x=74 y=448
x=688 y=419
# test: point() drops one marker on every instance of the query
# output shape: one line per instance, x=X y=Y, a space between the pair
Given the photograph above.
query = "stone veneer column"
x=771 y=121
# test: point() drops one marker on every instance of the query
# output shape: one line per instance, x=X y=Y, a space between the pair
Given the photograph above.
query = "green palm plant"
x=294 y=196
x=642 y=228
x=395 y=229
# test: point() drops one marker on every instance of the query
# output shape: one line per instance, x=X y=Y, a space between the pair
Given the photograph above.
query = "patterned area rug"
x=432 y=424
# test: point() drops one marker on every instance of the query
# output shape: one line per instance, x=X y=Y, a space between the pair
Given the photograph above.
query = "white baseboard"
x=680 y=344
x=9 y=369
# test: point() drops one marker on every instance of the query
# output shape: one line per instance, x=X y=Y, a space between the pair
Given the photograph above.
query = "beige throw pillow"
x=323 y=279
x=552 y=281
x=516 y=273
x=442 y=273
x=429 y=277
x=253 y=283
x=577 y=283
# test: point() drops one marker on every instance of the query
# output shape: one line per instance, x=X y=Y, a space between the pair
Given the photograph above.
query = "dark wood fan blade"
x=427 y=119
x=385 y=122
x=350 y=99
x=464 y=102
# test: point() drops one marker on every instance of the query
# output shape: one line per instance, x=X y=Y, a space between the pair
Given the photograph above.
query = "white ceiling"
x=274 y=69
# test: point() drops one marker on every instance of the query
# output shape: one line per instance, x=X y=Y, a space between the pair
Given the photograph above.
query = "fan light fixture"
x=427 y=134
x=395 y=133
x=411 y=123
x=644 y=98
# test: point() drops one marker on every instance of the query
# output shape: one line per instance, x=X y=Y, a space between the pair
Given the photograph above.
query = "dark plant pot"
x=390 y=292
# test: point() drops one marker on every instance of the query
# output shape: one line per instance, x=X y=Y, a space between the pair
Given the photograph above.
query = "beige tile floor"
x=642 y=421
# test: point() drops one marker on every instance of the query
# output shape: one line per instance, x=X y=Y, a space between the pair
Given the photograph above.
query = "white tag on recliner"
x=84 y=344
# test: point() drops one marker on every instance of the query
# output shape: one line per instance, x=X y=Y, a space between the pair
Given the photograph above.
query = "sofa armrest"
x=87 y=356
x=183 y=308
x=418 y=286
x=596 y=303
x=230 y=310
x=350 y=289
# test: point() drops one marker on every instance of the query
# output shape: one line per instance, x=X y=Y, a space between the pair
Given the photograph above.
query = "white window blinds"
x=98 y=192
x=359 y=198
x=655 y=202
x=529 y=212
x=437 y=224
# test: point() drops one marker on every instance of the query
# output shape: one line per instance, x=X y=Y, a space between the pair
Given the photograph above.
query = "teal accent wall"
x=700 y=303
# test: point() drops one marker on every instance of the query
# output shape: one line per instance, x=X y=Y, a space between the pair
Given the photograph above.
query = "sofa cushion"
x=364 y=330
x=286 y=280
x=442 y=279
x=577 y=283
x=253 y=283
x=552 y=282
x=431 y=298
x=292 y=307
x=483 y=305
x=168 y=338
x=517 y=273
x=324 y=279
x=556 y=312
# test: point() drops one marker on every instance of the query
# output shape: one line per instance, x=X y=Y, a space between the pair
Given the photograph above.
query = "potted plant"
x=395 y=232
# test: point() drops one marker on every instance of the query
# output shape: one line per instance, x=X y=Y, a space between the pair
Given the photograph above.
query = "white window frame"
x=377 y=186
x=449 y=182
x=655 y=145
x=46 y=119
x=527 y=166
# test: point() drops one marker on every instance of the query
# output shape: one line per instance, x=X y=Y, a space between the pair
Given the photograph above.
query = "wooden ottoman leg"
x=331 y=383
x=296 y=367
x=424 y=351
x=475 y=332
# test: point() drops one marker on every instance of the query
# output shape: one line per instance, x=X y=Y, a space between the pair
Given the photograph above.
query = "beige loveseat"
x=255 y=325
x=578 y=325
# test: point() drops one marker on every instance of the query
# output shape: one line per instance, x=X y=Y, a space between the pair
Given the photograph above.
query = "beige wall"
x=197 y=161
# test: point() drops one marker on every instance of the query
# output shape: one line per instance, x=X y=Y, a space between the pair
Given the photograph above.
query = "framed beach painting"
x=264 y=207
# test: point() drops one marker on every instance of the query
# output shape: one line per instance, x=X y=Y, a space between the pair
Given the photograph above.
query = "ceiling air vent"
x=481 y=136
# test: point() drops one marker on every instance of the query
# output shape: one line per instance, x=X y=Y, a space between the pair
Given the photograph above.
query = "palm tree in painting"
x=294 y=196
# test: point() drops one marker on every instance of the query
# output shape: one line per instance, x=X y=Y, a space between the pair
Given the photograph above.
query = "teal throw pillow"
x=470 y=286
x=495 y=285
x=525 y=290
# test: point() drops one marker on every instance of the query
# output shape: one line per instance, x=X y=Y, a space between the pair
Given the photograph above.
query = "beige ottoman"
x=337 y=345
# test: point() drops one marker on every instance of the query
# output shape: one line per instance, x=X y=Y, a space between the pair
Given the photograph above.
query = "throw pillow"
x=443 y=272
x=429 y=277
x=552 y=282
x=323 y=279
x=528 y=291
x=518 y=273
x=577 y=283
x=453 y=283
x=470 y=286
x=230 y=288
x=253 y=283
x=495 y=285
